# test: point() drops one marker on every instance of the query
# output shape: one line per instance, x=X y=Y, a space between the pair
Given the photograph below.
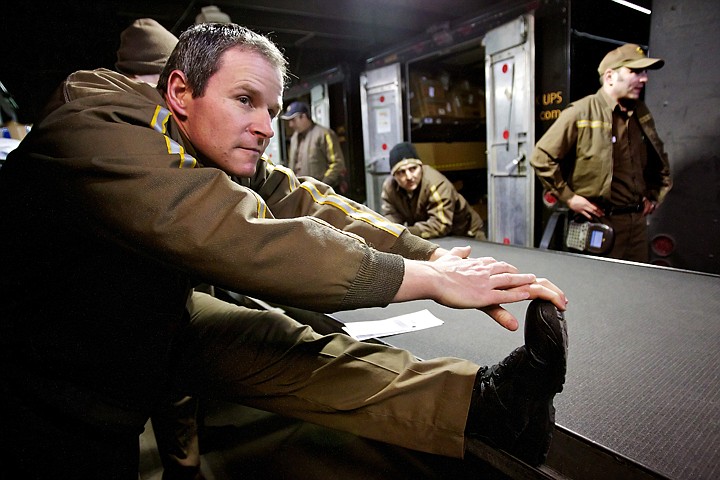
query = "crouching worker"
x=424 y=200
x=126 y=196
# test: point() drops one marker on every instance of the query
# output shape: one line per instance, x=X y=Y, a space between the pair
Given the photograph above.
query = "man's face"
x=409 y=176
x=230 y=125
x=627 y=84
x=299 y=123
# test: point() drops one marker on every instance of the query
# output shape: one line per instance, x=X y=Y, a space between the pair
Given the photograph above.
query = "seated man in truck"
x=424 y=200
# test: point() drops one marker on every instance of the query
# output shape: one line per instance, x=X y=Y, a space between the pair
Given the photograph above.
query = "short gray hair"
x=200 y=47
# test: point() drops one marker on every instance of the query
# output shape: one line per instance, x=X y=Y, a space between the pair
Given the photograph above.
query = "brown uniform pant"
x=269 y=361
x=631 y=242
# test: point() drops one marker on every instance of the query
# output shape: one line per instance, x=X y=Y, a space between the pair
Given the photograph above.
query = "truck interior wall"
x=552 y=77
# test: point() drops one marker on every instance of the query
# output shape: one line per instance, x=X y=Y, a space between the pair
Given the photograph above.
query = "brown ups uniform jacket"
x=317 y=153
x=575 y=156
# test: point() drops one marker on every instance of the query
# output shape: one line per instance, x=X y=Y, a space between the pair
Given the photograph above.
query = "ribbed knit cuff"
x=377 y=281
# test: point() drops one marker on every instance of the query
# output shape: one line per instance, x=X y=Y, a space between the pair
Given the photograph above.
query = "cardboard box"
x=468 y=101
x=428 y=97
x=453 y=156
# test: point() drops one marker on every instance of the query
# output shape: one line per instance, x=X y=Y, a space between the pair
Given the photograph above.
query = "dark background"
x=45 y=41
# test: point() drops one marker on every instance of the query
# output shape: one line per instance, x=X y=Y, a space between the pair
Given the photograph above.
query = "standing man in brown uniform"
x=603 y=156
x=315 y=150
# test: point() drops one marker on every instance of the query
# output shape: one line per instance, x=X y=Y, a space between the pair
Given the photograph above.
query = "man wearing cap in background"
x=314 y=150
x=144 y=48
x=424 y=200
x=603 y=156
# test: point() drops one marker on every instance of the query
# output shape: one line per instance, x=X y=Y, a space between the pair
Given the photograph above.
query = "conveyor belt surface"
x=644 y=362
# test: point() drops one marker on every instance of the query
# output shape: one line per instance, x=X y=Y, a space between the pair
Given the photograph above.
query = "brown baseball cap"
x=144 y=48
x=629 y=55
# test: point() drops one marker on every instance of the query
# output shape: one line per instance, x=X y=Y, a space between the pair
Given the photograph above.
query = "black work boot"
x=512 y=403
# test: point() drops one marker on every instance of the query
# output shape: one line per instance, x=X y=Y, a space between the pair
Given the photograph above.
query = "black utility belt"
x=622 y=209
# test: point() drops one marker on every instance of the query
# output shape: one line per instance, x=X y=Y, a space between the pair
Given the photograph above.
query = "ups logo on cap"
x=640 y=50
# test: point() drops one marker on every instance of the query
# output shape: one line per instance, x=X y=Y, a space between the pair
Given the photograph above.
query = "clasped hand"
x=454 y=279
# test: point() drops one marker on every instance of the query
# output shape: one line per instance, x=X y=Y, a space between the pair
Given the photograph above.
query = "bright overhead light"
x=633 y=6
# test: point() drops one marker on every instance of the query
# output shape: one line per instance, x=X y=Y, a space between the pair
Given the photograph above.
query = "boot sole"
x=543 y=321
x=546 y=340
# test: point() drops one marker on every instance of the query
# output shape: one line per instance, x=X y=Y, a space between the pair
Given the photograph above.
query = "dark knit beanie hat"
x=144 y=48
x=402 y=151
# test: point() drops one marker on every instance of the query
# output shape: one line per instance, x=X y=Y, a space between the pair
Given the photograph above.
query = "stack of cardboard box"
x=439 y=96
x=428 y=97
x=468 y=100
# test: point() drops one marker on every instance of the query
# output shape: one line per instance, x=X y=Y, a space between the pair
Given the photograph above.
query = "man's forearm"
x=418 y=282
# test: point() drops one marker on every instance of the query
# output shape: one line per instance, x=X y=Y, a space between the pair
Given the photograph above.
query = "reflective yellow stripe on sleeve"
x=593 y=124
x=341 y=203
x=331 y=153
x=159 y=124
x=441 y=210
x=293 y=182
x=261 y=205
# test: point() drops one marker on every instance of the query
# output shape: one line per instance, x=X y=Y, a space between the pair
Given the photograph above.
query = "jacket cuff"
x=377 y=281
x=565 y=194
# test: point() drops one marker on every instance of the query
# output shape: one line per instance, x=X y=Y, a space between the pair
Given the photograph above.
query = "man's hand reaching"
x=455 y=280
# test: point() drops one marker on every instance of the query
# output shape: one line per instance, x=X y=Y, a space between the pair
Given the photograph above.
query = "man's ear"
x=608 y=76
x=178 y=94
